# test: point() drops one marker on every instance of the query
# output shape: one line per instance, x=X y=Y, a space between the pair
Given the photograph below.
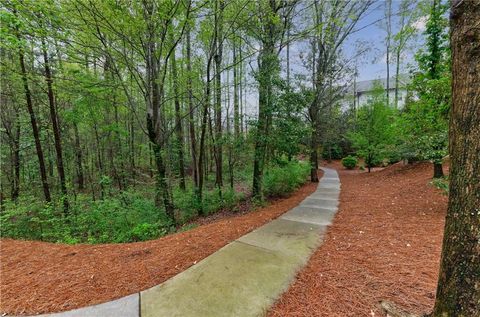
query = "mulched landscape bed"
x=39 y=277
x=384 y=244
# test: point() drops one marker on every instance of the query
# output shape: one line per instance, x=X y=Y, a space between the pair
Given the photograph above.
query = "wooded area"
x=123 y=121
x=141 y=112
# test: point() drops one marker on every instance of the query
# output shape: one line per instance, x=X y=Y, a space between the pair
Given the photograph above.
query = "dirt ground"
x=385 y=243
x=39 y=277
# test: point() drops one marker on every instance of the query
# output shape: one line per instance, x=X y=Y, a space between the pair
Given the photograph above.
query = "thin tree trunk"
x=56 y=128
x=458 y=292
x=191 y=123
x=178 y=123
x=437 y=170
x=314 y=157
x=219 y=4
x=201 y=159
x=397 y=79
x=78 y=156
x=33 y=121
x=389 y=34
x=16 y=158
x=236 y=119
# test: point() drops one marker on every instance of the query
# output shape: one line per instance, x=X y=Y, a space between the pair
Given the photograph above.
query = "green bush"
x=349 y=162
x=282 y=180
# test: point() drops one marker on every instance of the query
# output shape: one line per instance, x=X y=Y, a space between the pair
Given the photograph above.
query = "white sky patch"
x=421 y=23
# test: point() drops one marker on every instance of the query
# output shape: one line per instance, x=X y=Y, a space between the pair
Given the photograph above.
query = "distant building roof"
x=368 y=85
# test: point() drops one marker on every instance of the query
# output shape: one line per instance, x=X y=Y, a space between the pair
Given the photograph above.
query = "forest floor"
x=384 y=244
x=39 y=277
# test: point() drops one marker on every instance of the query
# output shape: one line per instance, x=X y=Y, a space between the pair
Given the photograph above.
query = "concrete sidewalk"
x=245 y=277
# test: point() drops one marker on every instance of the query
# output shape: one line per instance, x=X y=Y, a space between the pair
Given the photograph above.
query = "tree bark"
x=458 y=292
x=56 y=128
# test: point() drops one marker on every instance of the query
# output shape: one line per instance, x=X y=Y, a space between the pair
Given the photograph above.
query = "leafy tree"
x=374 y=134
x=426 y=118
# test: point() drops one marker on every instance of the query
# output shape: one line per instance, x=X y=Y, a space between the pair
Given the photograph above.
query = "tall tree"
x=334 y=21
x=31 y=112
x=388 y=44
x=178 y=118
x=427 y=116
x=458 y=292
x=191 y=120
x=408 y=12
x=55 y=126
x=219 y=37
x=272 y=18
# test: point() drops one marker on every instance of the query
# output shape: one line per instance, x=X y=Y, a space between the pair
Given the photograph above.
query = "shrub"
x=282 y=180
x=349 y=162
x=145 y=231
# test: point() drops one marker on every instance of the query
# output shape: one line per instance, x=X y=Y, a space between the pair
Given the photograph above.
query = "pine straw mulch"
x=39 y=277
x=384 y=244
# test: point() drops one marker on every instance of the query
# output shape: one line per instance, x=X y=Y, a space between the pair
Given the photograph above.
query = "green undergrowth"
x=131 y=215
x=441 y=183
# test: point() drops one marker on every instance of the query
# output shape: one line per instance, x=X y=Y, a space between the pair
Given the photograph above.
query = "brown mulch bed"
x=384 y=244
x=39 y=277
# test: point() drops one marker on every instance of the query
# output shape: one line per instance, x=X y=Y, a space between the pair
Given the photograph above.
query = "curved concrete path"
x=245 y=277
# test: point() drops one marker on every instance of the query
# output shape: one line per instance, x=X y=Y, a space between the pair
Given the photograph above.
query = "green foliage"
x=442 y=184
x=349 y=162
x=131 y=215
x=128 y=216
x=374 y=137
x=289 y=128
x=425 y=119
x=282 y=180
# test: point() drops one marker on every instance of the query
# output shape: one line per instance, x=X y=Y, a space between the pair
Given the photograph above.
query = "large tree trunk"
x=33 y=121
x=56 y=128
x=458 y=292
